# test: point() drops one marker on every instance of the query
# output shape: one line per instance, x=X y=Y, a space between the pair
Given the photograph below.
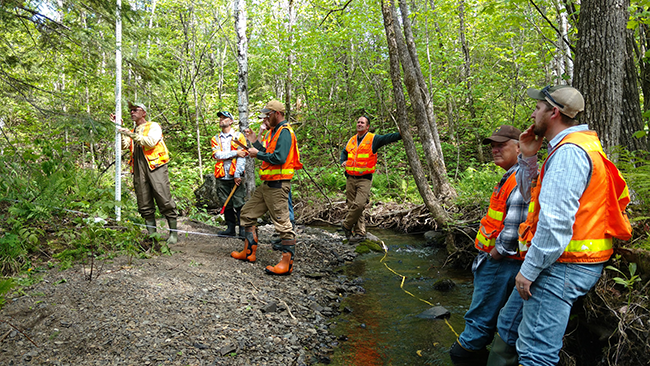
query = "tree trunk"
x=600 y=66
x=424 y=116
x=242 y=84
x=466 y=75
x=632 y=118
x=288 y=85
x=439 y=214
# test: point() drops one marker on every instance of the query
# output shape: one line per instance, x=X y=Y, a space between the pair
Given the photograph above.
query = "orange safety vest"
x=284 y=171
x=492 y=223
x=361 y=159
x=601 y=215
x=157 y=155
x=219 y=172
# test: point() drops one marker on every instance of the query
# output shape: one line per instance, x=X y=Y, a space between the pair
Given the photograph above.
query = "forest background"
x=469 y=66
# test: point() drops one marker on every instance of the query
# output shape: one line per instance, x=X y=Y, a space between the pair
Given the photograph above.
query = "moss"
x=367 y=246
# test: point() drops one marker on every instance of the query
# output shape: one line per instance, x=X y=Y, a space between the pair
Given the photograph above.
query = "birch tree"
x=242 y=83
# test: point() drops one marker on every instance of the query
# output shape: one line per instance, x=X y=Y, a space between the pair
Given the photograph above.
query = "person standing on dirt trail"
x=359 y=159
x=498 y=260
x=280 y=158
x=577 y=204
x=229 y=171
x=149 y=158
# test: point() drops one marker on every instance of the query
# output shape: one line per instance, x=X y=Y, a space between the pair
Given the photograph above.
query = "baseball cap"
x=136 y=105
x=565 y=98
x=273 y=105
x=224 y=114
x=503 y=134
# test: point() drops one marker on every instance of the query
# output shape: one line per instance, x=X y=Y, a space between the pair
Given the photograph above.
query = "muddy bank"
x=196 y=307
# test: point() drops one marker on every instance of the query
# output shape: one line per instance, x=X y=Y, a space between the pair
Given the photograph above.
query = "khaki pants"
x=273 y=200
x=357 y=192
x=151 y=188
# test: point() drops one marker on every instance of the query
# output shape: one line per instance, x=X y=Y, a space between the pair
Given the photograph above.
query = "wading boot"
x=250 y=246
x=242 y=230
x=502 y=354
x=285 y=267
x=346 y=231
x=173 y=231
x=230 y=222
x=151 y=225
x=464 y=357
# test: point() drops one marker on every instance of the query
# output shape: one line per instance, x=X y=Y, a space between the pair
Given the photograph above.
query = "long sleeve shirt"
x=377 y=142
x=282 y=147
x=566 y=176
x=137 y=136
x=516 y=210
x=227 y=154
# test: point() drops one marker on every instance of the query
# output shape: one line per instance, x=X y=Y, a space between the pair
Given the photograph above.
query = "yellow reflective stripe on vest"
x=276 y=171
x=497 y=215
x=359 y=169
x=531 y=207
x=523 y=246
x=592 y=146
x=624 y=194
x=486 y=243
x=589 y=245
x=363 y=155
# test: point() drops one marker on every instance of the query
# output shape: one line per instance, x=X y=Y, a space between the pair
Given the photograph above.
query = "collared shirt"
x=566 y=176
x=282 y=147
x=516 y=210
x=227 y=154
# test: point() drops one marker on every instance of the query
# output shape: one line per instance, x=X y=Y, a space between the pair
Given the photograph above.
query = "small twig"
x=20 y=331
x=287 y=306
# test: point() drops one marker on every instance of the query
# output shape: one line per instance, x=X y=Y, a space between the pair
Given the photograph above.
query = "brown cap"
x=503 y=134
x=567 y=99
x=273 y=105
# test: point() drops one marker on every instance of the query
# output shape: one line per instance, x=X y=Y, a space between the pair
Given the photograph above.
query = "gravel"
x=196 y=307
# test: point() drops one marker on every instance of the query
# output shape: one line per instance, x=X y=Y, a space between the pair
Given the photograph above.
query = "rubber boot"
x=460 y=356
x=285 y=267
x=346 y=231
x=250 y=246
x=173 y=231
x=502 y=354
x=242 y=230
x=151 y=225
x=230 y=222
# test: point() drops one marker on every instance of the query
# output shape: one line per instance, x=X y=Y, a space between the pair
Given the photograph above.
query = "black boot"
x=242 y=230
x=464 y=357
x=230 y=222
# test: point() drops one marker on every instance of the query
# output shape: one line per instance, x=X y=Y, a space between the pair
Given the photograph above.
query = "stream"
x=383 y=327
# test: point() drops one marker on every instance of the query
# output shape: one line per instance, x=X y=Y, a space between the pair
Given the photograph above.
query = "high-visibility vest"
x=361 y=159
x=601 y=214
x=492 y=223
x=284 y=171
x=156 y=156
x=219 y=172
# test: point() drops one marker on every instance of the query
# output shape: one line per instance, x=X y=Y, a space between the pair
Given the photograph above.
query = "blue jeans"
x=292 y=217
x=544 y=317
x=493 y=282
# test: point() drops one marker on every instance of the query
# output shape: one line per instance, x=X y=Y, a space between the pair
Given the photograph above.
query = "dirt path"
x=196 y=307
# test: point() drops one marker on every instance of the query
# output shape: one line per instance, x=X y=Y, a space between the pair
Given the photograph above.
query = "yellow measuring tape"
x=402 y=284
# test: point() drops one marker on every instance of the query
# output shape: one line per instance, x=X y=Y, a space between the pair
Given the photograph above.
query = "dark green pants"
x=224 y=187
x=152 y=188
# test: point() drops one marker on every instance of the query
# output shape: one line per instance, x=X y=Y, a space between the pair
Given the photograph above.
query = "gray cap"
x=565 y=98
x=137 y=105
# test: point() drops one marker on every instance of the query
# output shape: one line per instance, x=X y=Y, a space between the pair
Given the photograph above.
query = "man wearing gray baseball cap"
x=577 y=204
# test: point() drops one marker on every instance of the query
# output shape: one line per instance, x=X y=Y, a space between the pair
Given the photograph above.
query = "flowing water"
x=383 y=327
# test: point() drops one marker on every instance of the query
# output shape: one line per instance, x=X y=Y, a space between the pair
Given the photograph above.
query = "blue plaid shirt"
x=566 y=175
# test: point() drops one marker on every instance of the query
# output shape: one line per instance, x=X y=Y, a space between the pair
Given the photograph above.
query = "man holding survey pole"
x=229 y=171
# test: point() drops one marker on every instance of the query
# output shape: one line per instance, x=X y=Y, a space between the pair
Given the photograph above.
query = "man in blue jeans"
x=578 y=200
x=497 y=262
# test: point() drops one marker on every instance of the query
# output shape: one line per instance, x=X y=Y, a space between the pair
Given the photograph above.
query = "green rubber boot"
x=173 y=231
x=151 y=225
x=502 y=354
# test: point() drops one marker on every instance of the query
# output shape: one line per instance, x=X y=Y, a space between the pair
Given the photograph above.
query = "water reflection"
x=383 y=328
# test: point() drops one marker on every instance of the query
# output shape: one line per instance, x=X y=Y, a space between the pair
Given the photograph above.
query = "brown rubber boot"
x=250 y=246
x=285 y=267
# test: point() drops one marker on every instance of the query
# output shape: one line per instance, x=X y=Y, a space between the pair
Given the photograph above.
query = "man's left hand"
x=523 y=286
x=252 y=152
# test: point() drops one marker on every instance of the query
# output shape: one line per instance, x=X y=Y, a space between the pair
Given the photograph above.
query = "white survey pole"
x=118 y=110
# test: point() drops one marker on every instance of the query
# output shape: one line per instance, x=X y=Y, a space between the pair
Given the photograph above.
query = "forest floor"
x=198 y=306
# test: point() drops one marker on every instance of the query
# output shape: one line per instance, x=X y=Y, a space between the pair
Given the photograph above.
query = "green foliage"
x=6 y=284
x=627 y=282
x=475 y=186
x=635 y=167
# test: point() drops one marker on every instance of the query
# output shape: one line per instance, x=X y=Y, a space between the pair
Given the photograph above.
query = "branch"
x=553 y=26
x=332 y=11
